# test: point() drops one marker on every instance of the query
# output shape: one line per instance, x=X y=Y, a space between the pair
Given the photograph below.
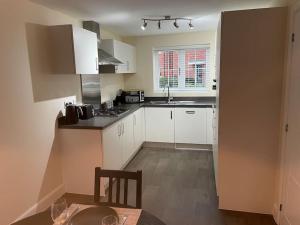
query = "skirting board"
x=178 y=146
x=276 y=213
x=44 y=203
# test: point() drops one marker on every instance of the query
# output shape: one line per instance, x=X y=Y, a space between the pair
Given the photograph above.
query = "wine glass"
x=110 y=220
x=59 y=212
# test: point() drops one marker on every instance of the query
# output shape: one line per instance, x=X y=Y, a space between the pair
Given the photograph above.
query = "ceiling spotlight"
x=143 y=27
x=158 y=24
x=175 y=24
x=191 y=25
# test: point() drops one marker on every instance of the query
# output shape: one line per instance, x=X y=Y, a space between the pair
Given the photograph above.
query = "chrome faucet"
x=169 y=97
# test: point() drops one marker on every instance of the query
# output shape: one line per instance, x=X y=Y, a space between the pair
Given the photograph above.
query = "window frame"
x=156 y=68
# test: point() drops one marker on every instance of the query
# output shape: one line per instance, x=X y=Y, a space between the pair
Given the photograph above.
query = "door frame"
x=294 y=8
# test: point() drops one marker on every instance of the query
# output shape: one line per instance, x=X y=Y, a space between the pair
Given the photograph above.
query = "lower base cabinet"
x=122 y=139
x=159 y=124
x=179 y=125
x=190 y=125
x=210 y=125
x=139 y=128
x=127 y=139
x=112 y=147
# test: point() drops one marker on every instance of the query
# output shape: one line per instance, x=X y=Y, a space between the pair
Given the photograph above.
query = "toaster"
x=87 y=112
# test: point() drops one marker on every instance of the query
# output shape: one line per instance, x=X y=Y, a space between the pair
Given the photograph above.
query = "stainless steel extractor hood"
x=106 y=60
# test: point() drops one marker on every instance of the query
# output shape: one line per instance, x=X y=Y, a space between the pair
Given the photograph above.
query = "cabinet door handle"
x=134 y=120
x=119 y=130
x=97 y=64
x=123 y=128
x=190 y=112
x=171 y=114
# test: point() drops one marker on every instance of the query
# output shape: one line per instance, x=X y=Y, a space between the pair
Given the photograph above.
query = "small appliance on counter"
x=73 y=113
x=134 y=96
x=87 y=112
x=120 y=99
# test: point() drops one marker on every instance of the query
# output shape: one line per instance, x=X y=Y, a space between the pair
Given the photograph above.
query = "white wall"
x=32 y=98
x=31 y=101
x=143 y=79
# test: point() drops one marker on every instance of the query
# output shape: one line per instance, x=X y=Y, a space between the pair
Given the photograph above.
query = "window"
x=182 y=69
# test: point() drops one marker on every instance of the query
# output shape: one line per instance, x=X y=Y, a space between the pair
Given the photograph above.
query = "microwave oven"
x=135 y=96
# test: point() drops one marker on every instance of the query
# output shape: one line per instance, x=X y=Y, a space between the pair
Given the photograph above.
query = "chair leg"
x=139 y=190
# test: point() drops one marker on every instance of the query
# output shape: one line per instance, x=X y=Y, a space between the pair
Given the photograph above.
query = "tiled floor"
x=179 y=188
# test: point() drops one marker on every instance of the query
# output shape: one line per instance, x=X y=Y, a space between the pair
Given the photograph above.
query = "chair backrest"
x=116 y=176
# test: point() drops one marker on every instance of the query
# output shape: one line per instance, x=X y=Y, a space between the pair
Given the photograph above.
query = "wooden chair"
x=117 y=175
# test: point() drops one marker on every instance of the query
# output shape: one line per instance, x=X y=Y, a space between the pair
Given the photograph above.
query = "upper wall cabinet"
x=123 y=52
x=74 y=50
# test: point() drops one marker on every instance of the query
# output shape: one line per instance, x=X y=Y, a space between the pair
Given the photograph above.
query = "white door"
x=121 y=53
x=159 y=124
x=86 y=51
x=209 y=126
x=112 y=147
x=291 y=204
x=127 y=138
x=190 y=125
x=139 y=128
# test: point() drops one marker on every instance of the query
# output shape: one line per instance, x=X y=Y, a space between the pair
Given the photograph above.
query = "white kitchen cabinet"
x=139 y=128
x=127 y=138
x=74 y=50
x=209 y=125
x=113 y=147
x=123 y=52
x=119 y=141
x=191 y=125
x=159 y=124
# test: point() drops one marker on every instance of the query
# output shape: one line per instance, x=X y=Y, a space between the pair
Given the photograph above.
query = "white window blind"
x=185 y=68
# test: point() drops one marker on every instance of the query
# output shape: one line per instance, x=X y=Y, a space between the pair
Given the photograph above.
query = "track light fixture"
x=143 y=27
x=165 y=18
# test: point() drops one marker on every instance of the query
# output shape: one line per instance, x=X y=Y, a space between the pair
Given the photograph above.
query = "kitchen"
x=122 y=127
x=195 y=100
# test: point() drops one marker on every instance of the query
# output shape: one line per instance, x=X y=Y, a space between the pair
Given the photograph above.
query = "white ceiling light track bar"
x=166 y=18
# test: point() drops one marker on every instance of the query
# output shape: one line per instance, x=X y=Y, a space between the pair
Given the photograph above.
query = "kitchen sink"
x=185 y=102
x=172 y=102
x=160 y=103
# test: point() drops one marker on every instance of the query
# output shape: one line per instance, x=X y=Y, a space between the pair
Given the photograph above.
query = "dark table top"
x=44 y=218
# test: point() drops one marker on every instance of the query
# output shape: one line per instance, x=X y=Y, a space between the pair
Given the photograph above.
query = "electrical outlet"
x=69 y=100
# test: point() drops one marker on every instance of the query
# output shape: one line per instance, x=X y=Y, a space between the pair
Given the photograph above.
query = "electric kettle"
x=73 y=113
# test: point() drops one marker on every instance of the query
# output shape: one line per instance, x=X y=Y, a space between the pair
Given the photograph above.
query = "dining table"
x=134 y=217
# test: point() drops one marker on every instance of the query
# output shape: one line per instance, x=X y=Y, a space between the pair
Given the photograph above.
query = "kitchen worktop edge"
x=100 y=123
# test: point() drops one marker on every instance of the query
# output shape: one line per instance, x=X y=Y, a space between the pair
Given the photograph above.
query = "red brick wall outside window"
x=190 y=63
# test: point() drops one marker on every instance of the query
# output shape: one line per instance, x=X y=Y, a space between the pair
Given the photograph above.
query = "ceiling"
x=124 y=16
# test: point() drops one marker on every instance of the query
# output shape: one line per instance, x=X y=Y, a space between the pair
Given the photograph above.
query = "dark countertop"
x=181 y=105
x=100 y=123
